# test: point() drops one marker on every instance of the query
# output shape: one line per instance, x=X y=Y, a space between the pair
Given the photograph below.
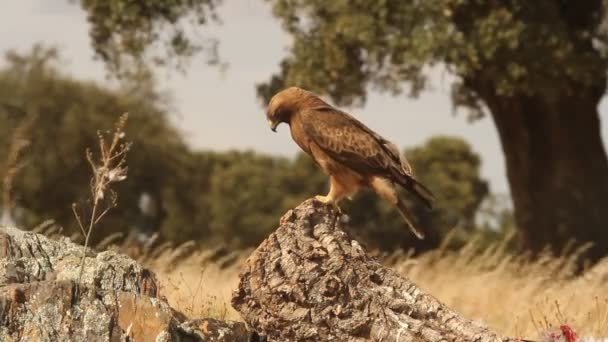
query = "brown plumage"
x=352 y=155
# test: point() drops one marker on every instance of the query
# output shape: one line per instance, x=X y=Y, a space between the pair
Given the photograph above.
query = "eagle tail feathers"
x=423 y=193
x=407 y=217
x=416 y=188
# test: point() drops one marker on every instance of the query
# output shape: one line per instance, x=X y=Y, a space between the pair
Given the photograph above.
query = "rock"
x=309 y=281
x=117 y=300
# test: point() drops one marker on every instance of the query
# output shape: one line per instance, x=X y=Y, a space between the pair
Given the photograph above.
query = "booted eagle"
x=352 y=155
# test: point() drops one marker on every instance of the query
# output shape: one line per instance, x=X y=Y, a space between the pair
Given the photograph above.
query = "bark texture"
x=309 y=281
x=118 y=299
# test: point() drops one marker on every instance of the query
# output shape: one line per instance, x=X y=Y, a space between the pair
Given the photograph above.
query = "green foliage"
x=70 y=113
x=185 y=200
x=451 y=168
x=247 y=194
x=250 y=193
x=518 y=59
x=128 y=35
x=234 y=197
x=342 y=47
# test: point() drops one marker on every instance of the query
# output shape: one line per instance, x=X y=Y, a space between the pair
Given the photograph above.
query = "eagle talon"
x=322 y=199
x=338 y=209
x=327 y=201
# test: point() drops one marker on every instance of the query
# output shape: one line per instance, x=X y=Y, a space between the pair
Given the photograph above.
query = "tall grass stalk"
x=108 y=169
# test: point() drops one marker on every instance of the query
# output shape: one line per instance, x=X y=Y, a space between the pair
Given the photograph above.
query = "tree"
x=537 y=67
x=245 y=197
x=192 y=195
x=130 y=35
x=69 y=114
x=249 y=192
x=452 y=168
x=186 y=200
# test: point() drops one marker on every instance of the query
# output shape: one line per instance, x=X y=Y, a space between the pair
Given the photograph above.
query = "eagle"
x=349 y=152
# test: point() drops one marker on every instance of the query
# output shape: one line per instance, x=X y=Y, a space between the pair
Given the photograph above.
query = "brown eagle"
x=352 y=155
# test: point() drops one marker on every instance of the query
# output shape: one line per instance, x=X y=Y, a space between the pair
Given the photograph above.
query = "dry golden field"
x=513 y=296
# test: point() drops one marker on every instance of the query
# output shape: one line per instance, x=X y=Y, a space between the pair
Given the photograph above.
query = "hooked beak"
x=273 y=125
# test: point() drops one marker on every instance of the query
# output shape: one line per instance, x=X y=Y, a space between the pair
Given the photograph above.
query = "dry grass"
x=19 y=141
x=512 y=296
x=199 y=285
x=108 y=169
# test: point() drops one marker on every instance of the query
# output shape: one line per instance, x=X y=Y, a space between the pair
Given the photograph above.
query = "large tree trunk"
x=548 y=122
x=309 y=281
x=556 y=166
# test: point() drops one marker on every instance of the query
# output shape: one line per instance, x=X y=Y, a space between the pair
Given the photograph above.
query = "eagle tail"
x=407 y=217
x=416 y=188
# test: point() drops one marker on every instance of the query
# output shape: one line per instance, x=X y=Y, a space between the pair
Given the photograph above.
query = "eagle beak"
x=273 y=125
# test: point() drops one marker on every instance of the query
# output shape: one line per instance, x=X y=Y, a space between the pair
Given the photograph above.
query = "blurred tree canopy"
x=69 y=114
x=233 y=198
x=537 y=67
x=129 y=35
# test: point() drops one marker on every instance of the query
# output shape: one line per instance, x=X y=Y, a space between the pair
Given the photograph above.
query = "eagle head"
x=283 y=104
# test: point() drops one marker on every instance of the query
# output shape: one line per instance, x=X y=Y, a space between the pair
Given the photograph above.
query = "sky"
x=219 y=109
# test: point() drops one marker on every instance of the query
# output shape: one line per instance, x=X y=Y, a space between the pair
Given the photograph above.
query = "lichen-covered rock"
x=27 y=257
x=117 y=300
x=213 y=330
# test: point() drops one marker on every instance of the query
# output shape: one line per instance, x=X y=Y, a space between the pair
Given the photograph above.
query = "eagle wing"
x=354 y=145
x=347 y=140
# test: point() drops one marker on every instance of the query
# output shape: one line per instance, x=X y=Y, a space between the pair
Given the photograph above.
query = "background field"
x=513 y=296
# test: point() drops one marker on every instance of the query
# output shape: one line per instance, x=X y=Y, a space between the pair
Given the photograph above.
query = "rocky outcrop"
x=117 y=299
x=309 y=281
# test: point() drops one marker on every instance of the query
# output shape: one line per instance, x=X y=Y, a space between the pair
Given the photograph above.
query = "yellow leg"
x=336 y=193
